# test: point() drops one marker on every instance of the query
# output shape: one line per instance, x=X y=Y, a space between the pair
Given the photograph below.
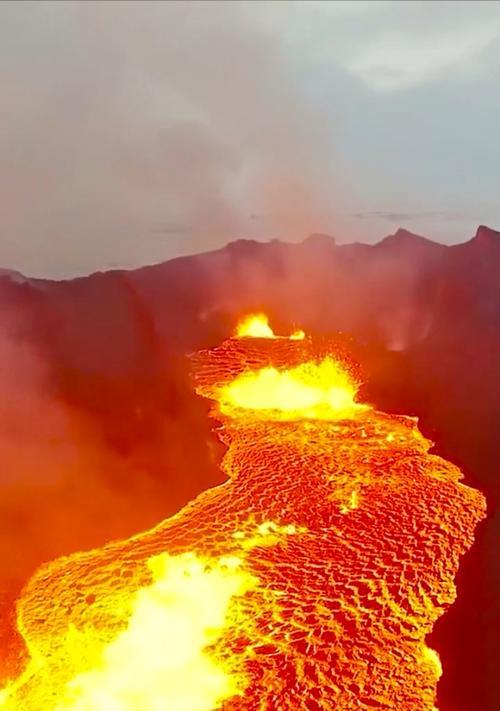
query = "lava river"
x=308 y=580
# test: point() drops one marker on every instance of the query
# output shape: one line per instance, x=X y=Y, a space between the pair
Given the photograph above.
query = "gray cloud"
x=133 y=132
x=121 y=117
x=400 y=217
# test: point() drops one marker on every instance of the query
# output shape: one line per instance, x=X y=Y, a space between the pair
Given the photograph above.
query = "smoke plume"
x=133 y=132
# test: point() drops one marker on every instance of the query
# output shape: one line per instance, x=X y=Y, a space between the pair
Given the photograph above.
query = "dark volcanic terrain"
x=101 y=434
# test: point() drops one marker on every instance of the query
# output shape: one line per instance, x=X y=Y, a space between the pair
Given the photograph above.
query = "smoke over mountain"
x=135 y=132
x=162 y=129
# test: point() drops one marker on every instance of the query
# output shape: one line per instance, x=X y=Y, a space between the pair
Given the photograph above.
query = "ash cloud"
x=401 y=217
x=123 y=119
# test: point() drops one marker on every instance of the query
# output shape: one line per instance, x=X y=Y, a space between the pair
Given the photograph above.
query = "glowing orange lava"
x=309 y=580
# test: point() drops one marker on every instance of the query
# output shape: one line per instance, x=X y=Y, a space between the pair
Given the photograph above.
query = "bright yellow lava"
x=254 y=326
x=4 y=694
x=431 y=657
x=322 y=390
x=257 y=326
x=159 y=661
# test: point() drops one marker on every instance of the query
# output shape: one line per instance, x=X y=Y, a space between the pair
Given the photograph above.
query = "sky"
x=135 y=132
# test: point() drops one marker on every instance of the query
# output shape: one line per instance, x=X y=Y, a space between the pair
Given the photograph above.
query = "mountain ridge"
x=400 y=239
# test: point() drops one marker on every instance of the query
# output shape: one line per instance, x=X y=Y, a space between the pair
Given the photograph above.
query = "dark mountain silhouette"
x=101 y=434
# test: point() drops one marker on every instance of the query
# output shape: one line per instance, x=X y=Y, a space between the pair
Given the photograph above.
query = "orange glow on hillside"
x=310 y=579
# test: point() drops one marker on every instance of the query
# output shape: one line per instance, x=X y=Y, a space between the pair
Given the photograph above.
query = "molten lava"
x=308 y=580
x=321 y=390
x=257 y=326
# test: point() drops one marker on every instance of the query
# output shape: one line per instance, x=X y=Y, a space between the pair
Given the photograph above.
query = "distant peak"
x=13 y=276
x=320 y=239
x=486 y=236
x=402 y=233
x=243 y=246
x=404 y=237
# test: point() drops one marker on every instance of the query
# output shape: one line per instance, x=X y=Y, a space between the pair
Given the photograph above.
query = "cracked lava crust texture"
x=308 y=580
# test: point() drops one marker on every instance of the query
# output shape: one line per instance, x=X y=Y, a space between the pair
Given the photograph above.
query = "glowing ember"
x=309 y=580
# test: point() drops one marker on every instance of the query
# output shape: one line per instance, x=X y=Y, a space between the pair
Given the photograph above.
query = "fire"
x=309 y=580
x=257 y=326
x=316 y=390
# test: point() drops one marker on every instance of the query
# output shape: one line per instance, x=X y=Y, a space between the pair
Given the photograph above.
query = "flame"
x=320 y=390
x=257 y=326
x=308 y=580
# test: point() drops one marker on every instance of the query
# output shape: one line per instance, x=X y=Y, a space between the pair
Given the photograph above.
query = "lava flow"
x=308 y=580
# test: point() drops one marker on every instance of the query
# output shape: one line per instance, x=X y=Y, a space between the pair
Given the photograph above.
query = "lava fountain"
x=308 y=580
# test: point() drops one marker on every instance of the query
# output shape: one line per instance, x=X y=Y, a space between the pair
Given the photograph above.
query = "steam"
x=378 y=294
x=51 y=486
x=64 y=486
x=137 y=131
